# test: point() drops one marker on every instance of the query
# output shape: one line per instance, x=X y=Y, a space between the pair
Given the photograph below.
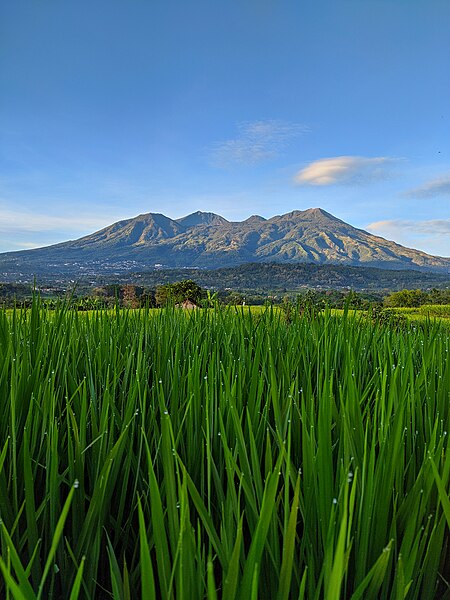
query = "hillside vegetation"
x=205 y=240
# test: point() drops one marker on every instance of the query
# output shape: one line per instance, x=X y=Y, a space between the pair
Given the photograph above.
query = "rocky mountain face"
x=207 y=240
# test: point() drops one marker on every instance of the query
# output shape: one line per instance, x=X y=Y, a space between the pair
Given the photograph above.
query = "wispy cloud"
x=11 y=245
x=256 y=142
x=431 y=189
x=345 y=170
x=15 y=221
x=432 y=235
x=433 y=226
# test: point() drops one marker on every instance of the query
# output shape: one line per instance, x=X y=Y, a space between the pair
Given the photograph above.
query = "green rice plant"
x=435 y=310
x=222 y=454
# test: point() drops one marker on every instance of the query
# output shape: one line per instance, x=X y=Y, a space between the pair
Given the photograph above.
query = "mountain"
x=201 y=218
x=207 y=240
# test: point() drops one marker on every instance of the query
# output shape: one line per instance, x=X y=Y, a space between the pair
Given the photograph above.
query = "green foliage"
x=389 y=317
x=110 y=296
x=312 y=301
x=222 y=454
x=279 y=278
x=418 y=298
x=435 y=310
x=441 y=296
x=211 y=300
x=406 y=298
x=234 y=298
x=259 y=278
x=423 y=313
x=176 y=293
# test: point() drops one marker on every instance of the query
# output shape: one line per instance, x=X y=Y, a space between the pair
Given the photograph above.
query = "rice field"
x=426 y=312
x=222 y=455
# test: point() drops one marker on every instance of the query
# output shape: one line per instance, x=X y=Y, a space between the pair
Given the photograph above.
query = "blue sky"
x=113 y=108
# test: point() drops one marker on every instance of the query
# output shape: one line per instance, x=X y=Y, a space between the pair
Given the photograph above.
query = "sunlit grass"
x=427 y=311
x=222 y=454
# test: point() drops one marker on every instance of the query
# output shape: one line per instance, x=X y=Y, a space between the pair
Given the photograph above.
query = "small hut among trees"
x=187 y=305
x=179 y=293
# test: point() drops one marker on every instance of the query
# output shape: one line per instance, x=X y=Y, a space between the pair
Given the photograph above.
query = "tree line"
x=136 y=296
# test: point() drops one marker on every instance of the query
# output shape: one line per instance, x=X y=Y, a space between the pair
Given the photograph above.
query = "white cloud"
x=345 y=170
x=431 y=189
x=256 y=142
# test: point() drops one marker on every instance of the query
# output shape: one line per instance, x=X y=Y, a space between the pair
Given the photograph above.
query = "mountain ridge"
x=207 y=240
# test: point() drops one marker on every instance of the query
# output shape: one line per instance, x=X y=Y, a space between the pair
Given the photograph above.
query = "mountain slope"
x=207 y=240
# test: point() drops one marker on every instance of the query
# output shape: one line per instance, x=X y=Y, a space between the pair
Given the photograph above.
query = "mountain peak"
x=201 y=218
x=207 y=240
x=318 y=212
x=254 y=220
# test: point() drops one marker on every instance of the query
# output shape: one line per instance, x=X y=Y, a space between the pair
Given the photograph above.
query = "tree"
x=406 y=298
x=176 y=293
x=235 y=298
x=163 y=294
x=439 y=296
x=147 y=300
x=211 y=299
x=130 y=299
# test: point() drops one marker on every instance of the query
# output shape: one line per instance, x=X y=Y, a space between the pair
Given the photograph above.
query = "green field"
x=222 y=454
x=426 y=312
